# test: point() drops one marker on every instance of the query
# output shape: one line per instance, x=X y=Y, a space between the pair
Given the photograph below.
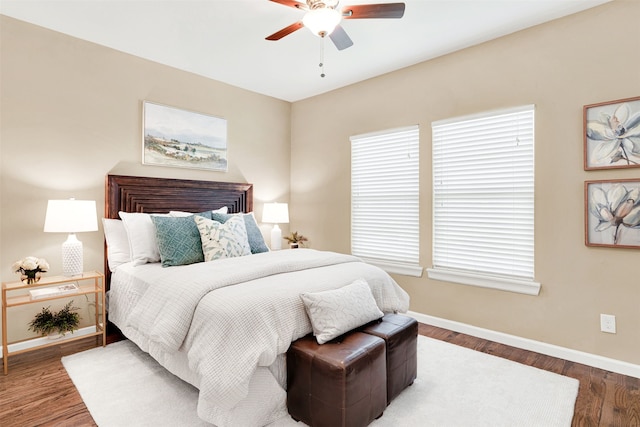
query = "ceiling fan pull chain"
x=321 y=65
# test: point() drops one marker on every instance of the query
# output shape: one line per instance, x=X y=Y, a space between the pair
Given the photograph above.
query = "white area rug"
x=456 y=386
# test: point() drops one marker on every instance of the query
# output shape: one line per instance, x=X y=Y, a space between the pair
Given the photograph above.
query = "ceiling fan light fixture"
x=322 y=21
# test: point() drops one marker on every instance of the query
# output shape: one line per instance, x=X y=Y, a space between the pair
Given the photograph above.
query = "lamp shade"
x=71 y=216
x=275 y=213
x=322 y=21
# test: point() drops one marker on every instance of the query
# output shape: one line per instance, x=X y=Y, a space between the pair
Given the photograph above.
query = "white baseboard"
x=589 y=359
x=25 y=345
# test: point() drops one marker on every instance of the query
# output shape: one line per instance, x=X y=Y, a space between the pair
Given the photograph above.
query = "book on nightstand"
x=69 y=288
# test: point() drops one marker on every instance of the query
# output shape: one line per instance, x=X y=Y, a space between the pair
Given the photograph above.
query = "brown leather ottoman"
x=339 y=383
x=400 y=334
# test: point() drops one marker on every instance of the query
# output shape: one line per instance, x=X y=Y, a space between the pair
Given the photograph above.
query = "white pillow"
x=226 y=240
x=223 y=210
x=141 y=234
x=179 y=214
x=118 y=251
x=333 y=313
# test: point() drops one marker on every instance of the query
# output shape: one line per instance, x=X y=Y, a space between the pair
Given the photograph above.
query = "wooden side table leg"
x=5 y=348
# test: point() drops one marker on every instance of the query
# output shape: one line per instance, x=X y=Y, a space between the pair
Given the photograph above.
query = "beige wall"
x=560 y=66
x=71 y=114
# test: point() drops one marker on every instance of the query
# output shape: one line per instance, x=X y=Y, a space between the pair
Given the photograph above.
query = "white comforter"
x=230 y=319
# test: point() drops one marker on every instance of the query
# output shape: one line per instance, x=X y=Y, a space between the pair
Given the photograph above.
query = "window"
x=385 y=191
x=483 y=200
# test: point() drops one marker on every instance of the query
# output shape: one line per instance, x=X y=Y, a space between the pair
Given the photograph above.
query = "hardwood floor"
x=38 y=392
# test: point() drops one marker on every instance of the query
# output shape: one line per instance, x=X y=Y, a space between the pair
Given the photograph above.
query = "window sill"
x=395 y=267
x=527 y=287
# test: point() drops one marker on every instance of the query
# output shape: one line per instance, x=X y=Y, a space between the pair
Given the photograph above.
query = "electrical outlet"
x=608 y=323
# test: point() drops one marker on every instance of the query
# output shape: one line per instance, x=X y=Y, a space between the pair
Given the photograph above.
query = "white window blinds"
x=385 y=199
x=483 y=198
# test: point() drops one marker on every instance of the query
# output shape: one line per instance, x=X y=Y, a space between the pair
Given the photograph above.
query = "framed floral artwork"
x=181 y=138
x=612 y=213
x=612 y=134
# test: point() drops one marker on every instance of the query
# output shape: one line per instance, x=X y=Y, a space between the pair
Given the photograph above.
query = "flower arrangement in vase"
x=30 y=269
x=295 y=240
x=52 y=323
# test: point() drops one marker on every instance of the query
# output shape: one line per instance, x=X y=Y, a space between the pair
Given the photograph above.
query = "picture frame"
x=611 y=132
x=612 y=213
x=180 y=138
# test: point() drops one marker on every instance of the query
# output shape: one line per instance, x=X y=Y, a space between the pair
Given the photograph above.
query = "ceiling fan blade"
x=291 y=3
x=340 y=38
x=285 y=31
x=365 y=11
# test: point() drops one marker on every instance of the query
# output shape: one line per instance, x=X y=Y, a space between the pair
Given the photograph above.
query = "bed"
x=222 y=325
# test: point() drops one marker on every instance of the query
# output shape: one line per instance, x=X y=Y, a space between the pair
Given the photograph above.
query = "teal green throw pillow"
x=256 y=241
x=178 y=240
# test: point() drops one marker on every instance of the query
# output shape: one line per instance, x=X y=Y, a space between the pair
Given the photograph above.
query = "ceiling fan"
x=323 y=18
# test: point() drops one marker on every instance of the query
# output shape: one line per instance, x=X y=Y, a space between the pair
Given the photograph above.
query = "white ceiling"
x=225 y=39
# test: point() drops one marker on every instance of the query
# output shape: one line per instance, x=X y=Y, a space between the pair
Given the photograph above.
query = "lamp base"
x=72 y=256
x=276 y=238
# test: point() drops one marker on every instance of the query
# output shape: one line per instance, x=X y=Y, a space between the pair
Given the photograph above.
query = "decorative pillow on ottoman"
x=334 y=312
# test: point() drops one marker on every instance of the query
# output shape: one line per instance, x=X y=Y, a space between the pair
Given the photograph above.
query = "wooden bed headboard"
x=161 y=195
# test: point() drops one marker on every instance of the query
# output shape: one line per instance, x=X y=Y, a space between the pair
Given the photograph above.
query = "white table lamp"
x=276 y=213
x=71 y=216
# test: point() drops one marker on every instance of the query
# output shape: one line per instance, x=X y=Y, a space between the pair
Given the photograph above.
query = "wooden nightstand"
x=17 y=293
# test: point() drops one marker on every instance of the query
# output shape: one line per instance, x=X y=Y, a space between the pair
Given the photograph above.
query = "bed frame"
x=160 y=195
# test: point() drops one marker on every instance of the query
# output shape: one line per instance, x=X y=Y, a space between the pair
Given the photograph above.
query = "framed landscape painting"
x=612 y=134
x=180 y=138
x=612 y=213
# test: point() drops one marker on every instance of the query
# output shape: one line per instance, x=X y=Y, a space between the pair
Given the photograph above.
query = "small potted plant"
x=56 y=325
x=30 y=268
x=295 y=240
